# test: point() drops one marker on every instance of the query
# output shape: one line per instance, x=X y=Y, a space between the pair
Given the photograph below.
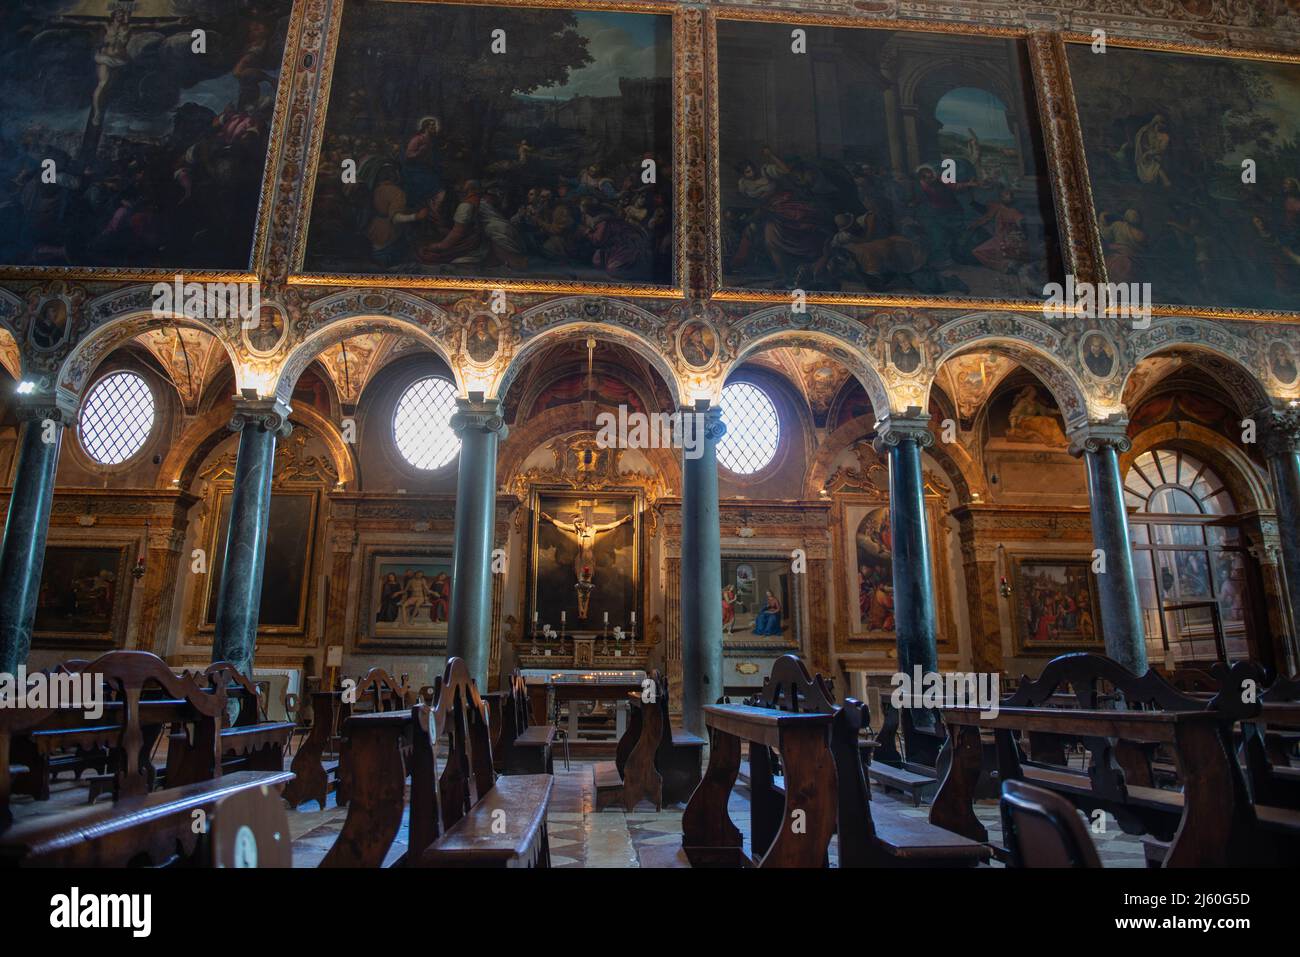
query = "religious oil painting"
x=481 y=141
x=410 y=596
x=586 y=561
x=289 y=545
x=1055 y=605
x=1195 y=169
x=84 y=597
x=873 y=547
x=756 y=599
x=134 y=133
x=881 y=162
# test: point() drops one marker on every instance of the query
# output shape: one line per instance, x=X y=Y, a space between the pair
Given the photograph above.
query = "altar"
x=552 y=690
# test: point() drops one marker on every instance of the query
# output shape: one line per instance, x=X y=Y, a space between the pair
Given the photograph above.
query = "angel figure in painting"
x=728 y=609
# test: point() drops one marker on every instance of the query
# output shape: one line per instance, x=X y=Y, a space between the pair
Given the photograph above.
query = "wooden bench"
x=1214 y=824
x=654 y=762
x=460 y=814
x=870 y=834
x=242 y=824
x=526 y=748
x=315 y=774
x=916 y=786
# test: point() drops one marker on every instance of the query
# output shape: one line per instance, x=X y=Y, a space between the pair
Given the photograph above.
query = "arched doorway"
x=1190 y=560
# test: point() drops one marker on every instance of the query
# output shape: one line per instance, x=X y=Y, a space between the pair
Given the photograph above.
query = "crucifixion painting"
x=585 y=560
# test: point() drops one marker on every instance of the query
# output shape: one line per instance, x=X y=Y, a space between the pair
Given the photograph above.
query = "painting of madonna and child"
x=134 y=133
x=881 y=161
x=1195 y=169
x=497 y=142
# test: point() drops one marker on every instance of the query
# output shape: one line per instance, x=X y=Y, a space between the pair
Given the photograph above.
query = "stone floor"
x=581 y=836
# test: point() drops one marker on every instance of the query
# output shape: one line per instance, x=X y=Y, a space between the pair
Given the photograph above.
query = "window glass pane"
x=753 y=429
x=1138 y=533
x=1174 y=501
x=422 y=423
x=117 y=418
x=1179 y=535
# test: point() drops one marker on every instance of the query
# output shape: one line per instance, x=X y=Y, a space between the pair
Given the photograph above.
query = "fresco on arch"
x=1166 y=136
x=527 y=163
x=881 y=162
x=130 y=139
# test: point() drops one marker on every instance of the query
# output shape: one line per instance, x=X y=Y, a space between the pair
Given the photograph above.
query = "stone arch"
x=121 y=316
x=213 y=427
x=819 y=329
x=606 y=320
x=1221 y=354
x=1035 y=345
x=1243 y=479
x=345 y=314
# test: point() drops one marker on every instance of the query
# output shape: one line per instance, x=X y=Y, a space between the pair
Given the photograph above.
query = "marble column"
x=258 y=422
x=1280 y=434
x=22 y=552
x=481 y=428
x=701 y=581
x=1100 y=445
x=903 y=437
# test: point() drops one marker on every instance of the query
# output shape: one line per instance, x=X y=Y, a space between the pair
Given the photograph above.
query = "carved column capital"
x=893 y=430
x=1279 y=430
x=269 y=415
x=59 y=407
x=1095 y=436
x=484 y=416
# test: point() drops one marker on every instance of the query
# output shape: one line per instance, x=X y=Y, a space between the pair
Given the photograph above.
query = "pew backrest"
x=1042 y=829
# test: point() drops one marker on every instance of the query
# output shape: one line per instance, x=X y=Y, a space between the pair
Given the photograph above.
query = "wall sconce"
x=1004 y=587
x=138 y=569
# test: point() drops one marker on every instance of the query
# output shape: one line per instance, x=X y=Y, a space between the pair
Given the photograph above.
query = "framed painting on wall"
x=405 y=598
x=290 y=544
x=497 y=142
x=586 y=561
x=882 y=161
x=85 y=596
x=1054 y=605
x=160 y=148
x=1167 y=136
x=759 y=602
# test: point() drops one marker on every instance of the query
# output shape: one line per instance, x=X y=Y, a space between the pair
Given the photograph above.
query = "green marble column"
x=1281 y=444
x=701 y=585
x=1100 y=445
x=258 y=423
x=469 y=627
x=22 y=552
x=903 y=438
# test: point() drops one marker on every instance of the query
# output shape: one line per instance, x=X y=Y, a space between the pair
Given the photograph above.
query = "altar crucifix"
x=584 y=533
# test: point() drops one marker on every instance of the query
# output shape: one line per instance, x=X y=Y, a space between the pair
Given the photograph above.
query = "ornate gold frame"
x=1071 y=106
x=631 y=493
x=261 y=220
x=737 y=294
x=1016 y=558
x=220 y=490
x=117 y=634
x=558 y=287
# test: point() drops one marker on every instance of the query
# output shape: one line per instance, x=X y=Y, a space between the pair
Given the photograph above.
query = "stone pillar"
x=1280 y=434
x=258 y=422
x=481 y=428
x=1101 y=445
x=701 y=578
x=914 y=615
x=22 y=552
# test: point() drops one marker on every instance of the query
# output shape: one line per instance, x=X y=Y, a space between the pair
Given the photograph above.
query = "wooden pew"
x=315 y=775
x=460 y=814
x=249 y=741
x=1266 y=742
x=870 y=835
x=246 y=826
x=654 y=762
x=145 y=696
x=526 y=748
x=1043 y=829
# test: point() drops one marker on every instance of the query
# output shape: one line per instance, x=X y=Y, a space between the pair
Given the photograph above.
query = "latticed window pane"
x=422 y=423
x=117 y=418
x=753 y=429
